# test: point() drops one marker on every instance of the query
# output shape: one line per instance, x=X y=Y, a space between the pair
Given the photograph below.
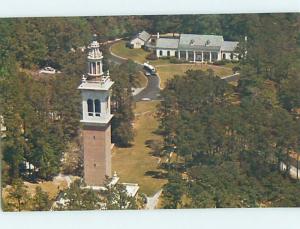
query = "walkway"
x=153 y=201
x=231 y=78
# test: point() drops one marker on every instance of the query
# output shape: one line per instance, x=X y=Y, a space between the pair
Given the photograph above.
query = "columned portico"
x=197 y=48
x=219 y=56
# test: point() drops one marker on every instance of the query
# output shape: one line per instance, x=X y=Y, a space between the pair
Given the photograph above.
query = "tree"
x=117 y=198
x=79 y=198
x=122 y=103
x=173 y=191
x=41 y=201
x=18 y=197
x=289 y=93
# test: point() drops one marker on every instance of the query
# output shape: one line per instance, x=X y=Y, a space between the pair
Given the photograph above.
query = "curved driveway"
x=151 y=91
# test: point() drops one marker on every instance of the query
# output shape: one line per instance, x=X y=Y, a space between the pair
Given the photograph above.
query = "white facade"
x=229 y=55
x=95 y=90
x=101 y=115
x=197 y=56
x=165 y=53
x=137 y=43
x=140 y=39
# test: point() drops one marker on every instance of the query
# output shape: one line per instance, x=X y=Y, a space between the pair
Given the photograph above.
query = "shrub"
x=165 y=57
x=128 y=45
x=220 y=62
x=175 y=60
x=151 y=56
x=236 y=69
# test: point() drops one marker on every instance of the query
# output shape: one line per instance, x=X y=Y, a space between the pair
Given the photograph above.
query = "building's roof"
x=200 y=42
x=167 y=43
x=143 y=36
x=229 y=46
x=131 y=189
x=96 y=84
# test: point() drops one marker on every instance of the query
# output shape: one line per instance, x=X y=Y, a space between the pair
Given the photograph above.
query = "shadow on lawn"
x=157 y=174
x=156 y=147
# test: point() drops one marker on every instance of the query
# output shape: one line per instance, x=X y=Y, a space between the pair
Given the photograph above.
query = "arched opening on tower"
x=97 y=107
x=90 y=107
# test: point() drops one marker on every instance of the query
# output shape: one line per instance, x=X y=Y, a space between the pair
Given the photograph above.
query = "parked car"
x=149 y=68
x=48 y=70
x=147 y=73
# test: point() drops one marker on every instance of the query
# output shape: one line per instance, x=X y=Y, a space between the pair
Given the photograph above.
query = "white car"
x=147 y=73
x=146 y=99
x=48 y=70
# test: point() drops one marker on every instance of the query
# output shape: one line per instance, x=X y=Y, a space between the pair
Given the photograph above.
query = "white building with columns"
x=197 y=48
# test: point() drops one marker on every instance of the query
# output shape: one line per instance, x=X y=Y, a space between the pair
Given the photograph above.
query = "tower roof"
x=94 y=50
x=96 y=85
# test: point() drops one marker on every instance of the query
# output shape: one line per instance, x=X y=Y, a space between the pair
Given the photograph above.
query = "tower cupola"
x=94 y=59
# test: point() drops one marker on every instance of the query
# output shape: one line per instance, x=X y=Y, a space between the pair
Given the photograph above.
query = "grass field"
x=167 y=72
x=120 y=49
x=51 y=187
x=132 y=163
x=138 y=55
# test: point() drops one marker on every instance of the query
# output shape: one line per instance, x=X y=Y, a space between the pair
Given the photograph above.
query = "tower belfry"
x=96 y=117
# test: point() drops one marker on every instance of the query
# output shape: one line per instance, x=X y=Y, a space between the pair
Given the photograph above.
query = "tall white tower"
x=96 y=117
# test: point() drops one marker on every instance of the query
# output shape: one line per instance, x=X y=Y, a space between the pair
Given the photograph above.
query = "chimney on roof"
x=157 y=35
x=207 y=42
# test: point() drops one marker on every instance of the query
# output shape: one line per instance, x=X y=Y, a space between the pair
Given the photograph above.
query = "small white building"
x=139 y=40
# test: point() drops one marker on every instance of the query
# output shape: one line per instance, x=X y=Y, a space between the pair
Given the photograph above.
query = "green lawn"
x=138 y=55
x=132 y=163
x=231 y=65
x=120 y=49
x=167 y=72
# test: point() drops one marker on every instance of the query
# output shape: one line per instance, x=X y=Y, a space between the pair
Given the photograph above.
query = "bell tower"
x=96 y=117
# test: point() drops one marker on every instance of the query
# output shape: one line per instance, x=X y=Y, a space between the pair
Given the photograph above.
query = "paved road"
x=151 y=91
x=113 y=58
